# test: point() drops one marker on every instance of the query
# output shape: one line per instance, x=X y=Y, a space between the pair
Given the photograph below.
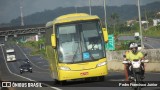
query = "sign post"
x=111 y=42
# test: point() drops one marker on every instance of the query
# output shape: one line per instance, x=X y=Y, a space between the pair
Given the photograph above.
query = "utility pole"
x=22 y=21
x=90 y=9
x=140 y=26
x=75 y=8
x=146 y=18
x=104 y=4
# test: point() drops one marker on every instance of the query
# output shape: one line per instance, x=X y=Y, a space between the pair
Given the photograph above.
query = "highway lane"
x=43 y=75
x=37 y=61
x=13 y=70
x=151 y=43
x=7 y=74
x=14 y=66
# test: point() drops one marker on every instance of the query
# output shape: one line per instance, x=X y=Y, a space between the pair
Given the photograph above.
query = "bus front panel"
x=82 y=70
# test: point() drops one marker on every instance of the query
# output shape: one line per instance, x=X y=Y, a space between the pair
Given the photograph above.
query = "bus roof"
x=73 y=17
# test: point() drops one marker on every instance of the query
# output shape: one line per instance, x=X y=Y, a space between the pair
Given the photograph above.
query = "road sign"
x=111 y=42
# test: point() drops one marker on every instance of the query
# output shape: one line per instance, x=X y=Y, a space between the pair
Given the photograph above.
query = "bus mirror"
x=53 y=40
x=105 y=34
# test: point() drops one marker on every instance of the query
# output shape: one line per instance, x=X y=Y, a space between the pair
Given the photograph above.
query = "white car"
x=10 y=55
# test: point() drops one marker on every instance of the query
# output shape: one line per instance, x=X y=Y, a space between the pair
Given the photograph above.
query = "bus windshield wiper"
x=75 y=53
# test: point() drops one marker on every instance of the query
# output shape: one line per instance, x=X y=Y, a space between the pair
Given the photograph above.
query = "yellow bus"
x=75 y=47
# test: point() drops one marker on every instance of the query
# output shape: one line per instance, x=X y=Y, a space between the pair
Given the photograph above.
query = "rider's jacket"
x=130 y=56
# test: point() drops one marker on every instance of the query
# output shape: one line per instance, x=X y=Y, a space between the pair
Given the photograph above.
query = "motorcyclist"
x=133 y=54
x=145 y=38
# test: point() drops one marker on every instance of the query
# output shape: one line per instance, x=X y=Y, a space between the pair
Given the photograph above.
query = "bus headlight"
x=101 y=64
x=64 y=68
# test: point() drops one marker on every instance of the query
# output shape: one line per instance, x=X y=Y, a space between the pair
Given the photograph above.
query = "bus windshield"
x=80 y=42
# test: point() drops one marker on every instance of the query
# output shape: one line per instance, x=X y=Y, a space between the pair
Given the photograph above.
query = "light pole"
x=104 y=4
x=22 y=21
x=140 y=26
x=75 y=8
x=90 y=9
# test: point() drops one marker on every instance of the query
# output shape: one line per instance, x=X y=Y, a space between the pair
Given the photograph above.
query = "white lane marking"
x=23 y=76
x=29 y=59
x=149 y=45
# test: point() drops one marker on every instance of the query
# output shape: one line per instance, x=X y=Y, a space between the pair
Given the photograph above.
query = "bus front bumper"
x=95 y=72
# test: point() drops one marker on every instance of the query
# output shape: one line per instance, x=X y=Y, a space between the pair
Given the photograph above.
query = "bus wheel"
x=62 y=82
x=87 y=79
x=101 y=78
x=95 y=79
x=56 y=81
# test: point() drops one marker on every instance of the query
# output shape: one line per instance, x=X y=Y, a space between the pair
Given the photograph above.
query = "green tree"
x=114 y=18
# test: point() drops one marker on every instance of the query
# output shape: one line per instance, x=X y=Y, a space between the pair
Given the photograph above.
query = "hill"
x=124 y=13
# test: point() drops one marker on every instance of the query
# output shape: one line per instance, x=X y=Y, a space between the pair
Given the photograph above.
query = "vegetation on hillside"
x=124 y=12
x=37 y=47
x=153 y=31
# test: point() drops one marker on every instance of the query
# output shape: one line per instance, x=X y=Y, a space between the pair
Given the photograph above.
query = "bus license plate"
x=84 y=73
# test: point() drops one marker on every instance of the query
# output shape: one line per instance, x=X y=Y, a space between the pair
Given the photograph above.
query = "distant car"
x=2 y=44
x=26 y=67
x=140 y=46
x=10 y=54
x=26 y=61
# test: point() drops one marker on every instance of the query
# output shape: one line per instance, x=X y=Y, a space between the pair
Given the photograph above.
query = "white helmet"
x=133 y=45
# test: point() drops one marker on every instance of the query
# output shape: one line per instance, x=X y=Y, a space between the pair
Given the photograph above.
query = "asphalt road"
x=150 y=43
x=153 y=43
x=10 y=72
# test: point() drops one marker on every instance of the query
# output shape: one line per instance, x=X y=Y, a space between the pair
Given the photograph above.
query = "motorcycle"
x=136 y=68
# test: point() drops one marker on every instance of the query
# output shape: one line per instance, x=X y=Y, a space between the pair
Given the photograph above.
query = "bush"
x=35 y=47
x=153 y=31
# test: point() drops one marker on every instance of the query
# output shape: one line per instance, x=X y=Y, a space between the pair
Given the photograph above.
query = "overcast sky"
x=10 y=9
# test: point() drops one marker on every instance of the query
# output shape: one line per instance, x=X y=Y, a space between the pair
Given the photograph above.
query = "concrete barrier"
x=153 y=55
x=115 y=60
x=118 y=66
